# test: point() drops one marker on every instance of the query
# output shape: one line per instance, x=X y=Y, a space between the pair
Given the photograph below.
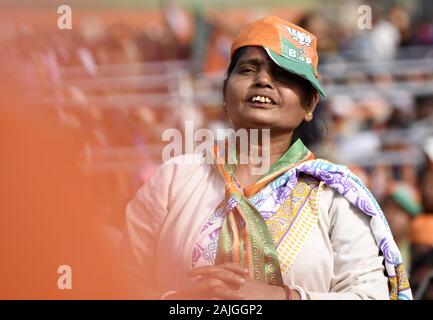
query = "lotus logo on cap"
x=301 y=37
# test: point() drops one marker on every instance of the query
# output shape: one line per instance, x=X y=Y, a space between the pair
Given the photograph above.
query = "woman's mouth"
x=259 y=101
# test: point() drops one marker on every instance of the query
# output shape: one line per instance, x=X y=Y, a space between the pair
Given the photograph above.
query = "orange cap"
x=288 y=45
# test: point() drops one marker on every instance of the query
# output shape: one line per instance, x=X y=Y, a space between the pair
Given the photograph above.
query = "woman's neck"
x=263 y=151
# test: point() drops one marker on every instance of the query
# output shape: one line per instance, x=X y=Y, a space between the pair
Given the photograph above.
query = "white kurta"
x=340 y=259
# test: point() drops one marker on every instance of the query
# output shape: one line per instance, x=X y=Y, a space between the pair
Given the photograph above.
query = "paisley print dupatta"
x=246 y=238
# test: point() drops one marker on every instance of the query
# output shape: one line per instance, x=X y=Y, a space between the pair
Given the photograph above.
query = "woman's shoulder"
x=340 y=177
x=179 y=173
x=340 y=183
x=339 y=215
x=188 y=162
x=332 y=201
x=180 y=168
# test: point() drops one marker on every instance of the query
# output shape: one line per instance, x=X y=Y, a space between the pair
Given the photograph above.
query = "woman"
x=307 y=229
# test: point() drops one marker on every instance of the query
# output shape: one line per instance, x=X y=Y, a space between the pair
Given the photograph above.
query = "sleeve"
x=358 y=271
x=145 y=214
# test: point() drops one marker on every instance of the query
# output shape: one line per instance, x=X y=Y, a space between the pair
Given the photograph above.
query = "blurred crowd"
x=118 y=86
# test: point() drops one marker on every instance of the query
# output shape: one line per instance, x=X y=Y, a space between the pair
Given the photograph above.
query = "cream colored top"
x=340 y=259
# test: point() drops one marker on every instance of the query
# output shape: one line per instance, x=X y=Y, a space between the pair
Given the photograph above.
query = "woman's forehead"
x=257 y=56
x=254 y=53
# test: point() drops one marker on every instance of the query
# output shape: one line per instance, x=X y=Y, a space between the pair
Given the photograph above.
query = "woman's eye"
x=246 y=70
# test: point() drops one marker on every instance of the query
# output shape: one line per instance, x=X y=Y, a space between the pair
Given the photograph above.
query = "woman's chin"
x=260 y=118
x=256 y=123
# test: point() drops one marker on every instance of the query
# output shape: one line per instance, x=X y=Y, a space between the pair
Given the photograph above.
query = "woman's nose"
x=263 y=79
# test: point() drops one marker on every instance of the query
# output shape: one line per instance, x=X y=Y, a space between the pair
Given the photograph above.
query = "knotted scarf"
x=245 y=238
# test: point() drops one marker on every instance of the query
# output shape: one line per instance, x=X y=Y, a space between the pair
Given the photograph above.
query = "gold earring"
x=310 y=114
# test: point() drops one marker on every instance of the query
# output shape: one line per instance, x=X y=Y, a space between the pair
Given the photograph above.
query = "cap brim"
x=301 y=69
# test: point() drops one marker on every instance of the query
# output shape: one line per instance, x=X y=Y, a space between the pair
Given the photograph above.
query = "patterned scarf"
x=246 y=238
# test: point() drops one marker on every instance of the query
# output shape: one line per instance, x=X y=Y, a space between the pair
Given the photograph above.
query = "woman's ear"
x=310 y=110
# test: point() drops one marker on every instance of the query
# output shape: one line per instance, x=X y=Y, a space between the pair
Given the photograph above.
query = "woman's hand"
x=216 y=282
x=229 y=281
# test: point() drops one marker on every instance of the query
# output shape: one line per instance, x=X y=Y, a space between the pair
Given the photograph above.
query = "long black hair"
x=311 y=133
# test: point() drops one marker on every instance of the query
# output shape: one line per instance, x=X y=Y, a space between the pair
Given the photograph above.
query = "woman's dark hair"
x=311 y=132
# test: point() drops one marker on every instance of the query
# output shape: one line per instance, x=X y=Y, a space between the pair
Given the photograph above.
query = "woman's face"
x=255 y=76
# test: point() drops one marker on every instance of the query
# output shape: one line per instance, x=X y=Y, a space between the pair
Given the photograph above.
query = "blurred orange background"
x=82 y=112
